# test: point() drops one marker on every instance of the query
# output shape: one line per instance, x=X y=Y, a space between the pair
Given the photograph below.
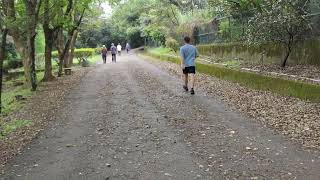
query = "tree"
x=138 y=20
x=73 y=18
x=32 y=14
x=50 y=24
x=284 y=22
x=22 y=19
x=63 y=56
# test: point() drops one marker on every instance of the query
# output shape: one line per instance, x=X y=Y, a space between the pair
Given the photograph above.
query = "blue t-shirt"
x=113 y=50
x=189 y=53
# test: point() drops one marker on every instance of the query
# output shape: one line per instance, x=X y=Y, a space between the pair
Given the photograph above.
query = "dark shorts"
x=189 y=70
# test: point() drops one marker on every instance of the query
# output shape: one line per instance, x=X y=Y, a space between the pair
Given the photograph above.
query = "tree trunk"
x=72 y=48
x=61 y=47
x=31 y=8
x=284 y=62
x=32 y=60
x=48 y=76
x=21 y=48
x=2 y=57
x=289 y=49
x=49 y=38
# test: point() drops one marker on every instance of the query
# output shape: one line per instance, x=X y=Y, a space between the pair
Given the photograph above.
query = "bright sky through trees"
x=107 y=9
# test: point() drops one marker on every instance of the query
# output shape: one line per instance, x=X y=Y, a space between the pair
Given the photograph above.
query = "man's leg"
x=104 y=59
x=186 y=80
x=192 y=82
x=185 y=86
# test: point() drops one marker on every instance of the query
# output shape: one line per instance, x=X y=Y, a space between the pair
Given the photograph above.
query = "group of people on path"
x=114 y=51
x=188 y=54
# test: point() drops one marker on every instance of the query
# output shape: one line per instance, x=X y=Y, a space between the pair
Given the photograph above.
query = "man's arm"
x=197 y=53
x=182 y=59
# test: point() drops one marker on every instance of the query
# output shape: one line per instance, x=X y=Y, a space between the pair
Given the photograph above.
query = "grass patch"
x=277 y=85
x=161 y=50
x=233 y=64
x=94 y=59
x=9 y=102
x=7 y=128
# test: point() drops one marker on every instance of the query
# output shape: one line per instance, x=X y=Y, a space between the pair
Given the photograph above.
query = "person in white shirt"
x=119 y=48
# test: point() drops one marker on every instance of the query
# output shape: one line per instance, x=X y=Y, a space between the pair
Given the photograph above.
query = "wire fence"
x=229 y=29
x=220 y=30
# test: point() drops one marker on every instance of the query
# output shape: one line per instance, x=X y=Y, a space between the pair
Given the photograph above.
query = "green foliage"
x=172 y=44
x=7 y=128
x=279 y=22
x=78 y=53
x=40 y=42
x=84 y=52
x=285 y=22
x=281 y=86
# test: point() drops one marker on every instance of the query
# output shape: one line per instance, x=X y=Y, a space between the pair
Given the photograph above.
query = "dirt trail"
x=130 y=120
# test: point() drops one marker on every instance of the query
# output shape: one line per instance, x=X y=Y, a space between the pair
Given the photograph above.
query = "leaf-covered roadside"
x=41 y=110
x=298 y=120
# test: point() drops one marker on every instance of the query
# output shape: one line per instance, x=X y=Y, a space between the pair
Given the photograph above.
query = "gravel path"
x=131 y=120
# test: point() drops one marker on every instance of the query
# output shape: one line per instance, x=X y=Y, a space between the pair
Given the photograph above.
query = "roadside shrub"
x=97 y=50
x=84 y=53
x=172 y=44
x=78 y=53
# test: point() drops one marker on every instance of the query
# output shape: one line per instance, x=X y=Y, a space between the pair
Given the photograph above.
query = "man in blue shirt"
x=188 y=53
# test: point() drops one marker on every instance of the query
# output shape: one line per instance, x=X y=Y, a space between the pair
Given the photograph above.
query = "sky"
x=107 y=9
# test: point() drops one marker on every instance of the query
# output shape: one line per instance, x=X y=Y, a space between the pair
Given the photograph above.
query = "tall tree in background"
x=73 y=19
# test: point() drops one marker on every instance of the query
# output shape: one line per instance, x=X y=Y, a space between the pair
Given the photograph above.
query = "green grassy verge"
x=9 y=102
x=277 y=85
x=161 y=50
x=10 y=127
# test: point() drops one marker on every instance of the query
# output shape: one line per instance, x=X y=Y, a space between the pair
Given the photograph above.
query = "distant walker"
x=113 y=50
x=128 y=47
x=119 y=49
x=104 y=53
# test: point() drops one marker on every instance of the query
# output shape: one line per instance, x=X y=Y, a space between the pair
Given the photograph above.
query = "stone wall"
x=307 y=52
